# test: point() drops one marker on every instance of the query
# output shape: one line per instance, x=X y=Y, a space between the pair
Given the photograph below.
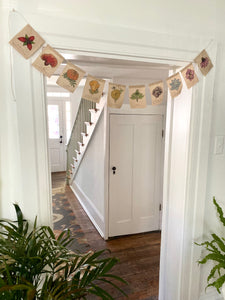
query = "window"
x=68 y=121
x=53 y=121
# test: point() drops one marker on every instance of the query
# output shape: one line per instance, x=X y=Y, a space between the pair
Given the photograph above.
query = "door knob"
x=60 y=139
x=114 y=170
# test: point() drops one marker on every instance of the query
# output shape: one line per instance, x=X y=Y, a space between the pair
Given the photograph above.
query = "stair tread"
x=83 y=133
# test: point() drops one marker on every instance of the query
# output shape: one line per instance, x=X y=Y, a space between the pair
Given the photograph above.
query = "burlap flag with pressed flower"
x=157 y=92
x=48 y=61
x=70 y=77
x=116 y=94
x=137 y=96
x=93 y=89
x=175 y=85
x=204 y=62
x=27 y=41
x=189 y=75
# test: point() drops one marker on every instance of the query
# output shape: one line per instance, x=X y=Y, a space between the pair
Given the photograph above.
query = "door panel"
x=147 y=154
x=135 y=151
x=121 y=157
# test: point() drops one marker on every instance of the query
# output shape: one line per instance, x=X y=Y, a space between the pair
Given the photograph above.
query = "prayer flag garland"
x=28 y=41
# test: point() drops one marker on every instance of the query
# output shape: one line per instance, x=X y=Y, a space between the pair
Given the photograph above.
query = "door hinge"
x=160 y=207
x=163 y=133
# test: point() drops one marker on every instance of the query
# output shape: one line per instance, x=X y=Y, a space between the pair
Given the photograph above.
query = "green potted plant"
x=34 y=264
x=215 y=249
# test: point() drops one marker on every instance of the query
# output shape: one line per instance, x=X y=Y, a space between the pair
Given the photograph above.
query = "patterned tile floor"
x=64 y=218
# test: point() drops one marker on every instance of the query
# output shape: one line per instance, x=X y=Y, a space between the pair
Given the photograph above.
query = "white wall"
x=89 y=180
x=199 y=18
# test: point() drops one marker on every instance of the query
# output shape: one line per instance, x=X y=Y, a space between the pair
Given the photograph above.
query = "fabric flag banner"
x=204 y=62
x=116 y=95
x=93 y=89
x=48 y=61
x=157 y=92
x=189 y=75
x=137 y=96
x=175 y=85
x=70 y=77
x=27 y=41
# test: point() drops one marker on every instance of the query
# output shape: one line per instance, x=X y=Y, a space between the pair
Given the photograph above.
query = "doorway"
x=56 y=134
x=182 y=281
x=147 y=144
x=59 y=126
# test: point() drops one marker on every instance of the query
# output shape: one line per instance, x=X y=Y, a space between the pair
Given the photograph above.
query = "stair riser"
x=89 y=128
x=85 y=139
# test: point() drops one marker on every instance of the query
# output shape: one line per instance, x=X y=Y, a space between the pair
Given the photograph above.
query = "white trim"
x=198 y=154
x=106 y=170
x=149 y=110
x=94 y=215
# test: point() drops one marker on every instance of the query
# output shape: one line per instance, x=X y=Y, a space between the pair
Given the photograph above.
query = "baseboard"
x=92 y=212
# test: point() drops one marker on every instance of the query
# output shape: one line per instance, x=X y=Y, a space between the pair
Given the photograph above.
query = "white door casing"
x=177 y=281
x=134 y=188
x=56 y=135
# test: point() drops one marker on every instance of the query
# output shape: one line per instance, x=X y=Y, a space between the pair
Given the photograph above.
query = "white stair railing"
x=84 y=125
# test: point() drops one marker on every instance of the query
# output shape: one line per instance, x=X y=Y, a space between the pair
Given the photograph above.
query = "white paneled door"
x=135 y=173
x=56 y=135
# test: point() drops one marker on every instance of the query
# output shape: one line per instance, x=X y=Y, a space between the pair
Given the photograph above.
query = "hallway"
x=139 y=254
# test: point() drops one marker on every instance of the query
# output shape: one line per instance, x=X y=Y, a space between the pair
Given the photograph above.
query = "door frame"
x=181 y=281
x=126 y=110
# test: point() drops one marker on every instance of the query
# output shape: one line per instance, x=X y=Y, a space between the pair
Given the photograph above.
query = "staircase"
x=87 y=117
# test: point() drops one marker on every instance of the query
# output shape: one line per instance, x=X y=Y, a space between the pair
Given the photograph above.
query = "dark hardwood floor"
x=138 y=254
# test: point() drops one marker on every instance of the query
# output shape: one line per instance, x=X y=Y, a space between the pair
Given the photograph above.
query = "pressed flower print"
x=70 y=77
x=156 y=91
x=116 y=94
x=27 y=41
x=175 y=85
x=189 y=75
x=93 y=89
x=137 y=96
x=204 y=62
x=48 y=61
x=94 y=85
